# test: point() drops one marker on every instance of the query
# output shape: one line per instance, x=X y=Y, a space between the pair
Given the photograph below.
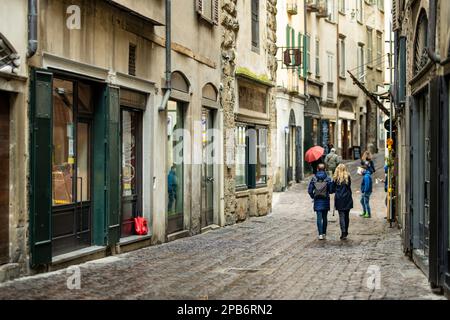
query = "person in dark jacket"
x=319 y=190
x=366 y=190
x=342 y=188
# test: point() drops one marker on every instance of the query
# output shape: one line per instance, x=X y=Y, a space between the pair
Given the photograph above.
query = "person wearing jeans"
x=366 y=190
x=319 y=190
x=322 y=223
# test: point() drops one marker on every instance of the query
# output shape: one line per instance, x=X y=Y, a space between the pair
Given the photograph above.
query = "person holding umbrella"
x=315 y=156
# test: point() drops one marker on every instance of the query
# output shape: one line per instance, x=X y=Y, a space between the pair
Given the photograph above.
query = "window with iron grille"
x=132 y=60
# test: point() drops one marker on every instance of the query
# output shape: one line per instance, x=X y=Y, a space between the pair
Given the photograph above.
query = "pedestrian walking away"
x=319 y=189
x=343 y=199
x=366 y=190
x=332 y=161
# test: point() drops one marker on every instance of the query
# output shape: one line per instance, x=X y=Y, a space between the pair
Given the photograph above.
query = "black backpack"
x=321 y=189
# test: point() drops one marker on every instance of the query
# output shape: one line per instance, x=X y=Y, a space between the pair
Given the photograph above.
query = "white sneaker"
x=321 y=237
x=324 y=237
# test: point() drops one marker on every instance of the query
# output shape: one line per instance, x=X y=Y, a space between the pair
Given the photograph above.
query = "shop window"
x=241 y=156
x=131 y=168
x=63 y=142
x=261 y=164
x=251 y=156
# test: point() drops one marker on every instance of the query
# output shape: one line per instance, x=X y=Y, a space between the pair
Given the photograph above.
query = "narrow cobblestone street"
x=273 y=257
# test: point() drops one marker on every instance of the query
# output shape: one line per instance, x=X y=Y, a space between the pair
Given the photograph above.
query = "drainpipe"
x=168 y=85
x=431 y=49
x=32 y=28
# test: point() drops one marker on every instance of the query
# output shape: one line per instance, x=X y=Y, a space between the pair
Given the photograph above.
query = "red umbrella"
x=314 y=154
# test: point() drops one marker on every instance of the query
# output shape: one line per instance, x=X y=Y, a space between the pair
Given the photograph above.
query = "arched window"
x=292 y=121
x=346 y=106
x=421 y=43
x=180 y=82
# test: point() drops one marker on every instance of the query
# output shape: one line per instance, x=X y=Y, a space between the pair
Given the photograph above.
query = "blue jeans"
x=322 y=222
x=365 y=202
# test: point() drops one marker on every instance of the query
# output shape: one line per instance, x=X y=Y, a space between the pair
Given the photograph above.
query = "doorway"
x=71 y=165
x=4 y=176
x=421 y=171
x=207 y=167
x=131 y=175
x=175 y=166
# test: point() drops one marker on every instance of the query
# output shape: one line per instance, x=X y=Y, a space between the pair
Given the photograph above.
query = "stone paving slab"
x=273 y=257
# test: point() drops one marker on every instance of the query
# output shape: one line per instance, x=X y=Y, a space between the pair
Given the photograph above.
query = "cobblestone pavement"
x=273 y=257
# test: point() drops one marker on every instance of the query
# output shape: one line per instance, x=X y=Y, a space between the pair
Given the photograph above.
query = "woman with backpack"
x=319 y=190
x=342 y=187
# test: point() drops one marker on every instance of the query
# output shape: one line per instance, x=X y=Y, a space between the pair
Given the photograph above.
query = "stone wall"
x=239 y=207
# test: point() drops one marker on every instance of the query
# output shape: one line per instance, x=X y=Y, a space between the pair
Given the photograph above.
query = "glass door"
x=175 y=167
x=207 y=168
x=131 y=169
x=71 y=177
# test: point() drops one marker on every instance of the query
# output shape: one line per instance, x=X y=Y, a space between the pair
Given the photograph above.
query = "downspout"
x=168 y=85
x=32 y=28
x=431 y=49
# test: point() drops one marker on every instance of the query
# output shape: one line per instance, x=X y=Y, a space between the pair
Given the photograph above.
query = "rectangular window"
x=369 y=48
x=132 y=60
x=251 y=156
x=255 y=24
x=342 y=66
x=361 y=73
x=330 y=91
x=131 y=168
x=379 y=50
x=63 y=143
x=317 y=58
x=381 y=5
x=241 y=156
x=330 y=67
x=359 y=10
x=342 y=6
x=208 y=10
x=261 y=149
x=330 y=10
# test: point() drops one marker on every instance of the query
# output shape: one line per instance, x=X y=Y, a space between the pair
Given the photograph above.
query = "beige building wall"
x=100 y=49
x=13 y=26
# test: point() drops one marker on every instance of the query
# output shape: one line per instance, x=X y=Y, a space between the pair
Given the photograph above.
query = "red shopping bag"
x=140 y=226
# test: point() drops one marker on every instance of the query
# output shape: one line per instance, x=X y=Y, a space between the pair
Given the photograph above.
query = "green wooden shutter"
x=299 y=43
x=288 y=36
x=41 y=168
x=305 y=55
x=293 y=44
x=113 y=166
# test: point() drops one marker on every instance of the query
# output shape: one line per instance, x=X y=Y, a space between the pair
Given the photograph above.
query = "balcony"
x=322 y=9
x=317 y=6
x=292 y=8
x=312 y=5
